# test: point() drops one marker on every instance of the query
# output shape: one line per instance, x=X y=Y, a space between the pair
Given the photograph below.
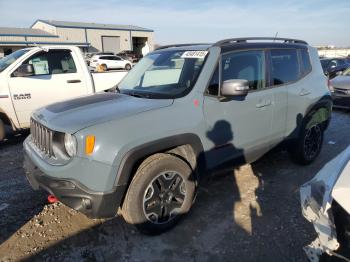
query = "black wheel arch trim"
x=132 y=157
x=325 y=101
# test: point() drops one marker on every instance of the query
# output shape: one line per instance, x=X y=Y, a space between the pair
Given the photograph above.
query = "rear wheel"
x=127 y=67
x=309 y=144
x=161 y=192
x=2 y=130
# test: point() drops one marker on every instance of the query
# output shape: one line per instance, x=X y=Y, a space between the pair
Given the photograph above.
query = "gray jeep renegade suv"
x=181 y=110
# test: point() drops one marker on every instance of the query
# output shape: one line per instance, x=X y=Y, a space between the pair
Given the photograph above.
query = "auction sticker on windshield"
x=194 y=54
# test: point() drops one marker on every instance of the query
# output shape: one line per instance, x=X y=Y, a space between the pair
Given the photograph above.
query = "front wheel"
x=309 y=144
x=161 y=192
x=127 y=67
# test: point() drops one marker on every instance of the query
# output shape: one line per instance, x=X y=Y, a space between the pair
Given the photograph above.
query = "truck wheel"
x=161 y=192
x=309 y=144
x=127 y=67
x=2 y=130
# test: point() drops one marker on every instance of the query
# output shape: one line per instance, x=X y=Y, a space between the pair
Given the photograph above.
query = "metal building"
x=91 y=37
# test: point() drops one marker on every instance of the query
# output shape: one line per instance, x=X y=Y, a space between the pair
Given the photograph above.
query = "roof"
x=12 y=31
x=191 y=46
x=241 y=43
x=67 y=24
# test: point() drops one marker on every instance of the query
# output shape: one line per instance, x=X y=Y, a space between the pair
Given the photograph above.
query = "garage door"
x=111 y=44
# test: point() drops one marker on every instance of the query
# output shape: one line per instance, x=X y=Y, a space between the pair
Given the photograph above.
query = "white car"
x=110 y=62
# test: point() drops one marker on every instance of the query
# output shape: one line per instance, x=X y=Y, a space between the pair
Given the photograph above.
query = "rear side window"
x=285 y=66
x=53 y=62
x=305 y=62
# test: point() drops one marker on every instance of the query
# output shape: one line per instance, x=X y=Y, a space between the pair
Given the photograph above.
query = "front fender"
x=133 y=156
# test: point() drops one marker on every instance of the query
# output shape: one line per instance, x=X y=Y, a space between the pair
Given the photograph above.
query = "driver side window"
x=52 y=62
x=247 y=65
x=40 y=64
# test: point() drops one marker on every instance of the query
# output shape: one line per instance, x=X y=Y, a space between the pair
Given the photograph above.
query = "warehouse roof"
x=12 y=31
x=68 y=24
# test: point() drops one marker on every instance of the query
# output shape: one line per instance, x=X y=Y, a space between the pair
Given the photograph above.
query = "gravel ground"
x=251 y=213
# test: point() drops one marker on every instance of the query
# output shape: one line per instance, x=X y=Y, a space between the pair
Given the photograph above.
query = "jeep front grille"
x=41 y=137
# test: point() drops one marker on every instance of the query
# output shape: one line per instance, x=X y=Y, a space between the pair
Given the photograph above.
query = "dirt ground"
x=251 y=213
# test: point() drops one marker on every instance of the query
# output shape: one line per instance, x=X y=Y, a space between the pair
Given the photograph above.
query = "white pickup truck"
x=31 y=78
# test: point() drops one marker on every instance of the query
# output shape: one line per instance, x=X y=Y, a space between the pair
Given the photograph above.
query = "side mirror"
x=24 y=70
x=235 y=87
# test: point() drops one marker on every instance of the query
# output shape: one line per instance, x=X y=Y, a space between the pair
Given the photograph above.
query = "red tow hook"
x=52 y=199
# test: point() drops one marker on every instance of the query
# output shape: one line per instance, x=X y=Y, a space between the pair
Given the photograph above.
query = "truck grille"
x=41 y=137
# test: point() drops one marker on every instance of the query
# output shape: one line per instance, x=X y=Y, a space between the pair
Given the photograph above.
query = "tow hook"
x=52 y=199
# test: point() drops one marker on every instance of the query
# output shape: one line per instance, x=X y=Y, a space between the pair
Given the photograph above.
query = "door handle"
x=73 y=81
x=304 y=92
x=261 y=104
x=268 y=102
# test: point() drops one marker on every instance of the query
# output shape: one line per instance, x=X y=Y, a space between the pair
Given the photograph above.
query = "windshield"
x=8 y=60
x=167 y=74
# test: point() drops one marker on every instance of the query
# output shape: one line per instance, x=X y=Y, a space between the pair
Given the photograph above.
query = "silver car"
x=340 y=87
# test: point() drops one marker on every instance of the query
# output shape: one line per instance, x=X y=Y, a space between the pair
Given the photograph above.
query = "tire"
x=2 y=130
x=127 y=67
x=161 y=192
x=308 y=145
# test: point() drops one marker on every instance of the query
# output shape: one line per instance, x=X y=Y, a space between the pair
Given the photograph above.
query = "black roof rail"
x=179 y=45
x=245 y=39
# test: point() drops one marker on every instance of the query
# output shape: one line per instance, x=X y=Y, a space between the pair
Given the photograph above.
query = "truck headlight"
x=70 y=144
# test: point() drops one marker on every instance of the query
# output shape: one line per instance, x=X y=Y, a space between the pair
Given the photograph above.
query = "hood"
x=76 y=114
x=341 y=82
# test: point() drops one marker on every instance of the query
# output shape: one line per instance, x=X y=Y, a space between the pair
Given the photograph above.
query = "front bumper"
x=74 y=194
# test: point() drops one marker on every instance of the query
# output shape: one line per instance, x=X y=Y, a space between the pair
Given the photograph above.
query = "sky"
x=319 y=22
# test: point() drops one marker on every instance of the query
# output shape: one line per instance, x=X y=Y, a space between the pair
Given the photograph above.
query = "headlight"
x=70 y=144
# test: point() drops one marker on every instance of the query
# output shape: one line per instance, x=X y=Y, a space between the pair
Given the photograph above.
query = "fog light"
x=86 y=203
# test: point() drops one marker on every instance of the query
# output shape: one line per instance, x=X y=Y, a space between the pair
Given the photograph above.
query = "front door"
x=239 y=127
x=56 y=78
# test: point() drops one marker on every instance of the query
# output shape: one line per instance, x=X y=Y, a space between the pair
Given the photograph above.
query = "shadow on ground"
x=251 y=213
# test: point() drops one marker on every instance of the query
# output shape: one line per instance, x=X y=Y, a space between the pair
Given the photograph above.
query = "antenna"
x=275 y=36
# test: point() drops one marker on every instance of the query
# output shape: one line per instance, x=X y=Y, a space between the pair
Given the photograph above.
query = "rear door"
x=239 y=127
x=290 y=71
x=56 y=78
